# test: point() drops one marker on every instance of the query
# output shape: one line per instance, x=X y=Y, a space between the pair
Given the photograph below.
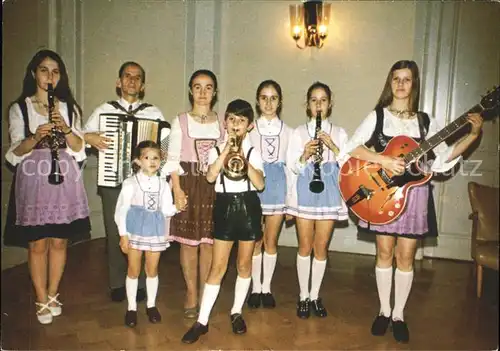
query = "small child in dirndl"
x=142 y=215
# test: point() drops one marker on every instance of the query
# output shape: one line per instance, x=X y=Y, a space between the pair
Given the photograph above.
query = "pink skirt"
x=412 y=223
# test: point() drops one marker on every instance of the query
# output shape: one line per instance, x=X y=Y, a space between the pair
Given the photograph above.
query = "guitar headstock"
x=491 y=103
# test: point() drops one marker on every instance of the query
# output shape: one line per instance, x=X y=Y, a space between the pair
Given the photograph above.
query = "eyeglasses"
x=271 y=99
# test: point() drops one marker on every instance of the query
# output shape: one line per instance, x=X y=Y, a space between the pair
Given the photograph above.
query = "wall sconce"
x=310 y=20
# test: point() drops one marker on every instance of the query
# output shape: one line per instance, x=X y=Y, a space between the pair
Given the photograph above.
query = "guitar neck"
x=441 y=136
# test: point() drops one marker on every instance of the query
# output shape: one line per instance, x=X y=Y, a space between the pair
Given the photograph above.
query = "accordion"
x=125 y=131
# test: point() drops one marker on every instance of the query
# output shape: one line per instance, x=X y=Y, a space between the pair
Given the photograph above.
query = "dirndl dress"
x=326 y=205
x=146 y=229
x=44 y=210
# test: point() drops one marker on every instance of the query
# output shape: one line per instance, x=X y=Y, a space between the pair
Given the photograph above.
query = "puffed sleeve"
x=362 y=134
x=256 y=161
x=123 y=205
x=213 y=155
x=167 y=202
x=295 y=150
x=342 y=139
x=79 y=155
x=16 y=133
x=442 y=151
x=174 y=149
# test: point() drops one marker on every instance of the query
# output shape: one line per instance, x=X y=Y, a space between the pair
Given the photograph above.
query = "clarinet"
x=55 y=176
x=316 y=185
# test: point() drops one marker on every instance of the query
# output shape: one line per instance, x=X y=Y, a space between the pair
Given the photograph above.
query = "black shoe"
x=380 y=324
x=118 y=294
x=194 y=333
x=303 y=308
x=131 y=319
x=239 y=326
x=268 y=300
x=141 y=295
x=400 y=331
x=153 y=314
x=254 y=300
x=318 y=309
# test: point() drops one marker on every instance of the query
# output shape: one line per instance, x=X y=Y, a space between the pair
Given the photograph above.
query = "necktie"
x=130 y=108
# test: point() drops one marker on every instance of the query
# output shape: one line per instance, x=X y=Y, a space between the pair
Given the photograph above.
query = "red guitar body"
x=373 y=193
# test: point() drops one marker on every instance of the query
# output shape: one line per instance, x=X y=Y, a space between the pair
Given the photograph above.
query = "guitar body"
x=374 y=194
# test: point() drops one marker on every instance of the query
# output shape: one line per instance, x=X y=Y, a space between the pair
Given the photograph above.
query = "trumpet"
x=55 y=176
x=235 y=165
x=316 y=185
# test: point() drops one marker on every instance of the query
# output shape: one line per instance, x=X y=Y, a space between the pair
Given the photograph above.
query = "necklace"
x=201 y=118
x=403 y=114
x=41 y=103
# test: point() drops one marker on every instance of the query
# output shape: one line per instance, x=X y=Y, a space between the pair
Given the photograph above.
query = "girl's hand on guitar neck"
x=476 y=121
x=395 y=165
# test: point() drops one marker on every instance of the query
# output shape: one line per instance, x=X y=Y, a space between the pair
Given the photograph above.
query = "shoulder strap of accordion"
x=141 y=107
x=116 y=105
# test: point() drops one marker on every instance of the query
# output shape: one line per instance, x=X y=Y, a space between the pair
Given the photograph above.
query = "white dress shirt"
x=238 y=186
x=394 y=126
x=133 y=194
x=92 y=124
x=16 y=130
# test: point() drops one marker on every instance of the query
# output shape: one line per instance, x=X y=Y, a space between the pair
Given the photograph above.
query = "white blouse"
x=394 y=126
x=269 y=127
x=134 y=194
x=195 y=130
x=16 y=130
x=268 y=130
x=239 y=186
x=297 y=144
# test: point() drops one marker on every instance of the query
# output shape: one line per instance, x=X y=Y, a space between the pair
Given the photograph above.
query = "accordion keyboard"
x=125 y=132
x=109 y=160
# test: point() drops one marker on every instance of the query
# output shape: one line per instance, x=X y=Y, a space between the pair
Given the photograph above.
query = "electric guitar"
x=376 y=195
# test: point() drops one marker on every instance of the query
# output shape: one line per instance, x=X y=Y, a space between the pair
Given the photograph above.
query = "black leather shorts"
x=237 y=216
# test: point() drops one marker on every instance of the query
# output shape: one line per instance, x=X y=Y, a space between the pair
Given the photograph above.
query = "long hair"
x=386 y=97
x=143 y=78
x=203 y=72
x=277 y=87
x=326 y=88
x=62 y=90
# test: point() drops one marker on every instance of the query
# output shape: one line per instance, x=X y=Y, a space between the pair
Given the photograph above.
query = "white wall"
x=455 y=43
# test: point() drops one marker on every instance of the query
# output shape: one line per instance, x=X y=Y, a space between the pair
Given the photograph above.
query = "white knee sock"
x=383 y=277
x=318 y=271
x=240 y=293
x=210 y=293
x=269 y=266
x=402 y=287
x=152 y=289
x=256 y=273
x=131 y=288
x=303 y=271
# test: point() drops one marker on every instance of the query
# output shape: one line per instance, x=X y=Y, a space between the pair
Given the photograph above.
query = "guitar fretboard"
x=441 y=136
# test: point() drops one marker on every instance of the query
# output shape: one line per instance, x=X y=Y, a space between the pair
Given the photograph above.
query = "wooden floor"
x=443 y=312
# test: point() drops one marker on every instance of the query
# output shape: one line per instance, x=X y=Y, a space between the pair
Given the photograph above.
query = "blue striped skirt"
x=146 y=229
x=273 y=197
x=324 y=205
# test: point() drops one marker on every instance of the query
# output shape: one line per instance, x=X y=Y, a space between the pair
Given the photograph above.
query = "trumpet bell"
x=235 y=167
